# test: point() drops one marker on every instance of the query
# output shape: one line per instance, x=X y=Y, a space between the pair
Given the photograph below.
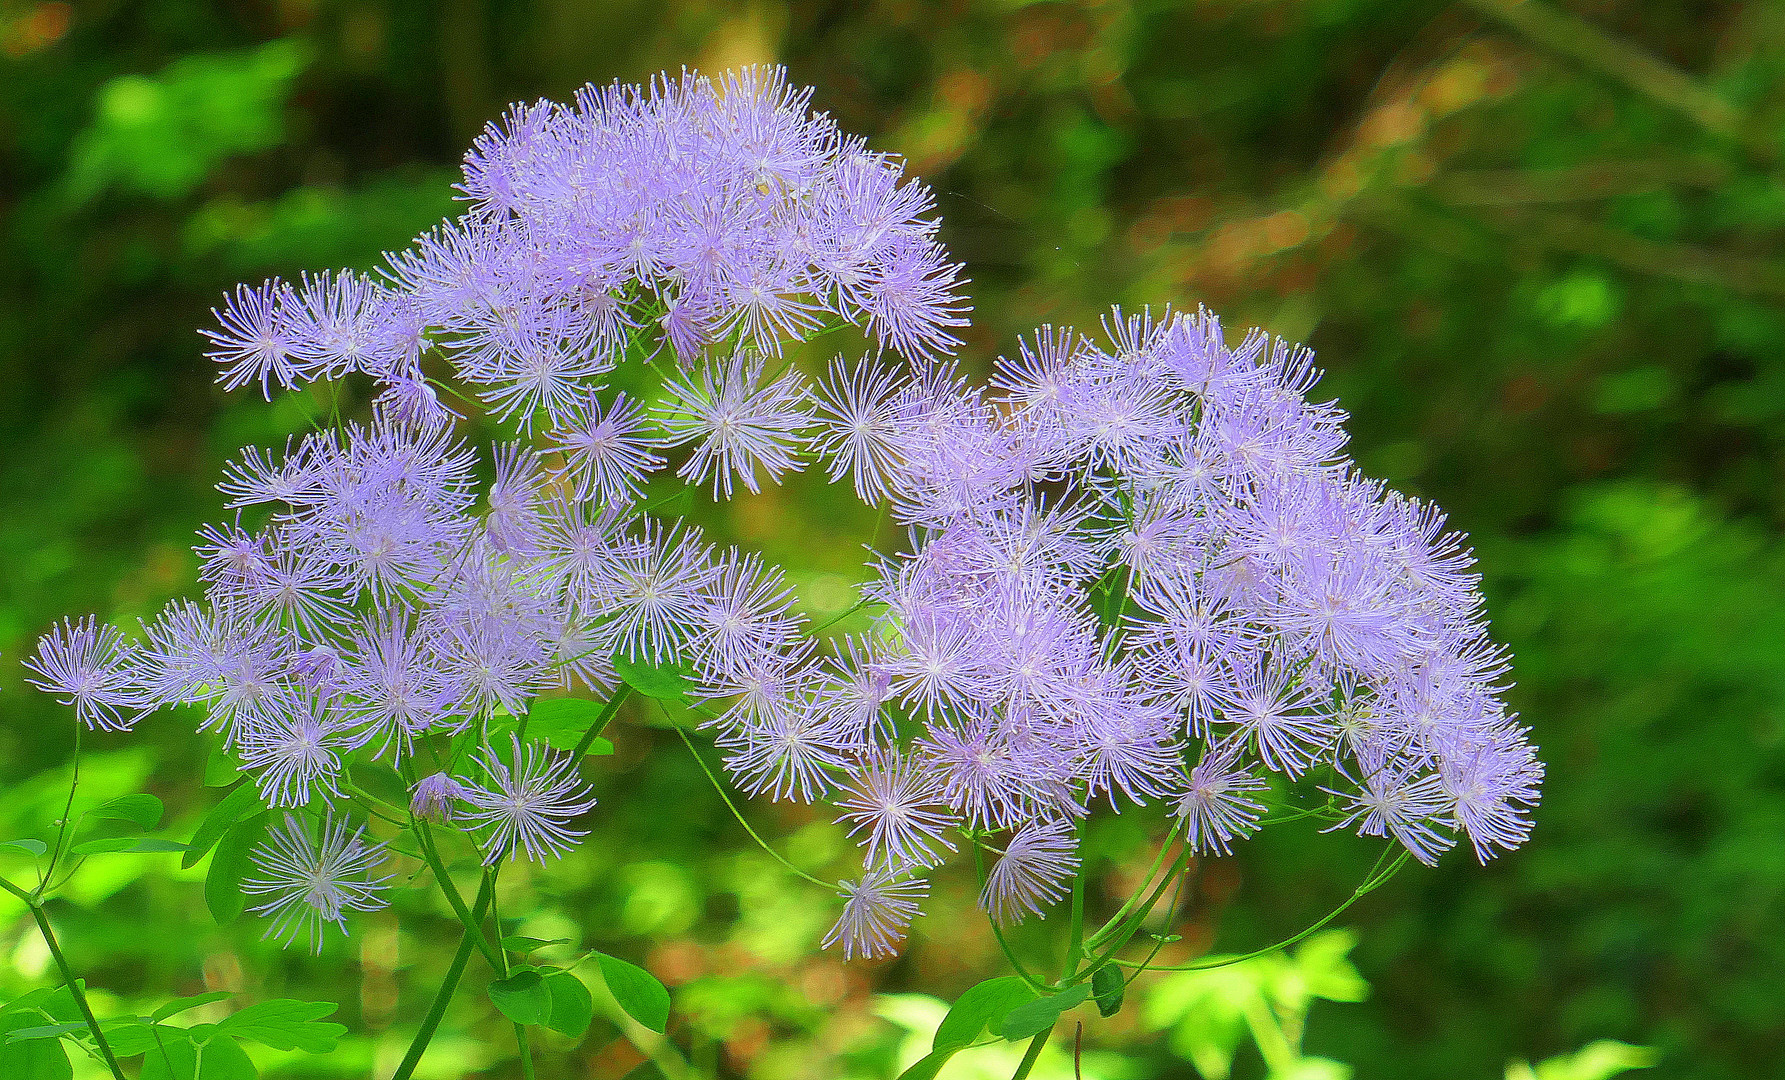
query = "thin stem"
x=839 y=617
x=607 y=714
x=1109 y=927
x=1028 y=1063
x=1075 y=937
x=74 y=984
x=720 y=788
x=1017 y=965
x=520 y=1037
x=1133 y=924
x=1375 y=881
x=467 y=942
x=473 y=923
x=74 y=781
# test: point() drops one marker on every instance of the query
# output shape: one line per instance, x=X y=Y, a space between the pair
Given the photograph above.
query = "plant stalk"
x=74 y=984
x=467 y=943
x=1028 y=1063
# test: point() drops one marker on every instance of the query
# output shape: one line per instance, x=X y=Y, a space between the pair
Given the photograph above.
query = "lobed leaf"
x=572 y=1008
x=980 y=1007
x=286 y=1024
x=523 y=997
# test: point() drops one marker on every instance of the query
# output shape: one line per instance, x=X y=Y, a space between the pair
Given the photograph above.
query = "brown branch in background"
x=1587 y=45
x=1542 y=231
x=1599 y=180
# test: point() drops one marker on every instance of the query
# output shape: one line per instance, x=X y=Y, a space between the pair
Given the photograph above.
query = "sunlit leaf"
x=217 y=1059
x=286 y=1024
x=637 y=990
x=180 y=1005
x=664 y=680
x=979 y=1008
x=138 y=845
x=143 y=811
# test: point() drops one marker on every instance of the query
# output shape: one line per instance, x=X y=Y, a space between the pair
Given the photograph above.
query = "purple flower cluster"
x=1140 y=573
x=707 y=214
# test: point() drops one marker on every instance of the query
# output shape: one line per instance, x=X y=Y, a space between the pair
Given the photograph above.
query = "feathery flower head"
x=312 y=877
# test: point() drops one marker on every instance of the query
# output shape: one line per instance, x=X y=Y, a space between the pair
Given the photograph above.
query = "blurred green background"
x=1539 y=248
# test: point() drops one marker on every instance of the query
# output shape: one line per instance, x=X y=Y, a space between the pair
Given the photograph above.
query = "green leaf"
x=223 y=883
x=981 y=1007
x=530 y=944
x=286 y=1024
x=180 y=1005
x=127 y=844
x=665 y=681
x=381 y=782
x=235 y=806
x=637 y=990
x=129 y=1036
x=45 y=1031
x=561 y=722
x=35 y=847
x=143 y=811
x=571 y=1006
x=183 y=1059
x=221 y=769
x=926 y=1067
x=33 y=1059
x=1108 y=987
x=1034 y=1017
x=523 y=997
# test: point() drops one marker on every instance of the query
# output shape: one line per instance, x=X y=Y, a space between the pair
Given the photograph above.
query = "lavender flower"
x=740 y=425
x=527 y=803
x=877 y=913
x=1032 y=873
x=434 y=797
x=314 y=878
x=86 y=665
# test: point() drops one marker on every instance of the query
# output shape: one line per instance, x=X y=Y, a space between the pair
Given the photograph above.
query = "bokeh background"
x=1539 y=248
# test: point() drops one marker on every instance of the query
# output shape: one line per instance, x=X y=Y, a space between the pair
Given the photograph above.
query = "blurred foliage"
x=1537 y=245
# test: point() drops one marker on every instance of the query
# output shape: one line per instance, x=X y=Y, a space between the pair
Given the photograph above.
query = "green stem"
x=520 y=1037
x=607 y=714
x=467 y=942
x=1022 y=972
x=471 y=923
x=74 y=984
x=74 y=781
x=1075 y=938
x=1375 y=881
x=1134 y=922
x=1115 y=920
x=1028 y=1063
x=720 y=788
